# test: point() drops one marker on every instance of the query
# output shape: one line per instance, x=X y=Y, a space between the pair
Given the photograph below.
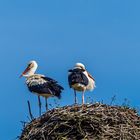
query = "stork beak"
x=20 y=75
x=25 y=71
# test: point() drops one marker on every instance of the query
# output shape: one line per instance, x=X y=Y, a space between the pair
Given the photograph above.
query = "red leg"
x=39 y=104
x=75 y=97
x=46 y=104
x=83 y=100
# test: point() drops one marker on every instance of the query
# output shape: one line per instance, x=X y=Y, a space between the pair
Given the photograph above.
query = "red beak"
x=25 y=71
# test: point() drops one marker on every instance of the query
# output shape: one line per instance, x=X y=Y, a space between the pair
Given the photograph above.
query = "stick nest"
x=90 y=122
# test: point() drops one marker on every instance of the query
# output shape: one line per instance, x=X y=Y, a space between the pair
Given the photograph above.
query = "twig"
x=113 y=99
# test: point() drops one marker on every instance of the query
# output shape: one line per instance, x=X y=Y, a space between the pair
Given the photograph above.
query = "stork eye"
x=30 y=65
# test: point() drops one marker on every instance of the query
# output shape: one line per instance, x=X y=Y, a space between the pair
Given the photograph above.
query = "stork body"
x=41 y=85
x=80 y=80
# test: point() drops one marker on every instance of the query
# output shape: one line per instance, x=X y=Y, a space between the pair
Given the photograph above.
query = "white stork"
x=41 y=85
x=80 y=80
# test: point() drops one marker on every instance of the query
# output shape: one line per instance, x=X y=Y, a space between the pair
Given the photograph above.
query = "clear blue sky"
x=102 y=34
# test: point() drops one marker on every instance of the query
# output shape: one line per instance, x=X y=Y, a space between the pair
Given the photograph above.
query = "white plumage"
x=80 y=80
x=40 y=84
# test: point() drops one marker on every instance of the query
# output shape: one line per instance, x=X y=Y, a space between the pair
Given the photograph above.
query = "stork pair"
x=79 y=79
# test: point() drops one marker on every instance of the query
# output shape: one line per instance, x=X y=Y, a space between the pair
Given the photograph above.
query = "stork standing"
x=41 y=85
x=80 y=80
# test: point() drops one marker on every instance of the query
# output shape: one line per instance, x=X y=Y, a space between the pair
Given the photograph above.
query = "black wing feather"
x=49 y=87
x=77 y=76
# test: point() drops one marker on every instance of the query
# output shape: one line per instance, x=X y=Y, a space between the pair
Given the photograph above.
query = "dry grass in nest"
x=91 y=122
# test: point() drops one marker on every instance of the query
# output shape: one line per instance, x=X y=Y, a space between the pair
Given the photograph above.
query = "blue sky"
x=104 y=35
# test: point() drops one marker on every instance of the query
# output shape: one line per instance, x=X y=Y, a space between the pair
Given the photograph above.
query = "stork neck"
x=31 y=72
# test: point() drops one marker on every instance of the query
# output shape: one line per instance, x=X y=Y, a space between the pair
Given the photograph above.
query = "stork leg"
x=75 y=97
x=46 y=105
x=83 y=100
x=39 y=104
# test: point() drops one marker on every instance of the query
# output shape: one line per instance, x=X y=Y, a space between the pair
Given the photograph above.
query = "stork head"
x=80 y=66
x=30 y=69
